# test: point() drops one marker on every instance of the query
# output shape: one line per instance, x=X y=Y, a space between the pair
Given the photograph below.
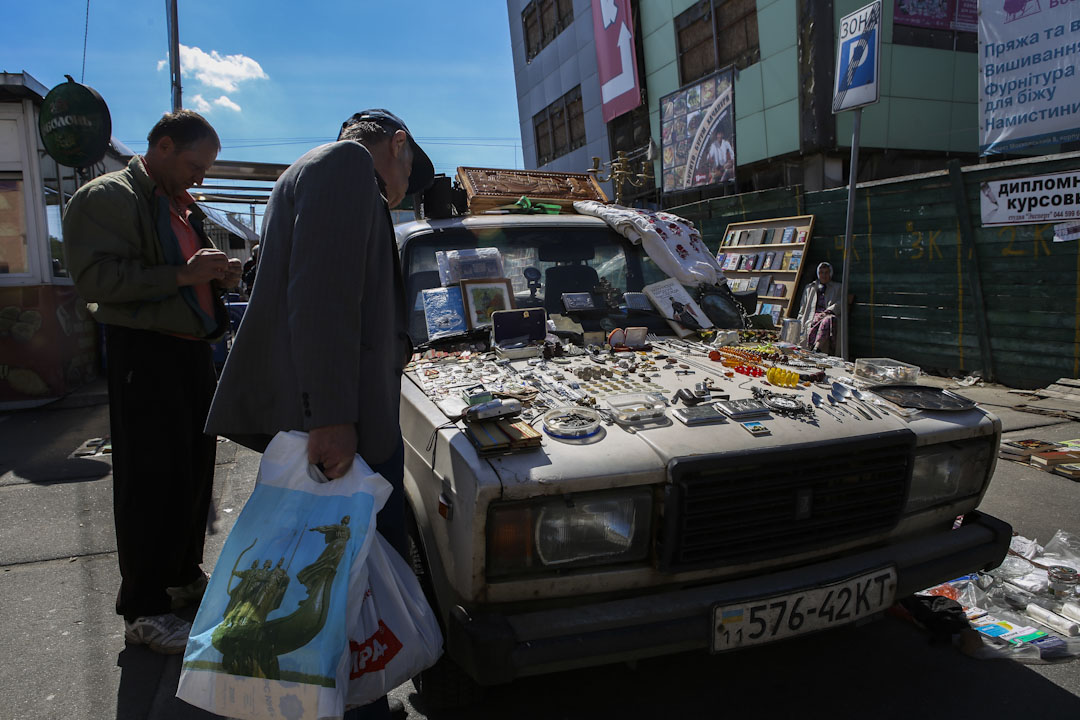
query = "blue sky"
x=278 y=78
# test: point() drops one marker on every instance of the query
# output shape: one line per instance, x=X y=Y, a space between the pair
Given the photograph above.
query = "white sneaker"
x=166 y=634
x=184 y=595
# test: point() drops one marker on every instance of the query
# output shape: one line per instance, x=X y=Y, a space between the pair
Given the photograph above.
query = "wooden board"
x=489 y=188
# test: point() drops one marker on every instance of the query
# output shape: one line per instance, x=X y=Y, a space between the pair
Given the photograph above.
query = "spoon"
x=818 y=404
x=865 y=398
x=836 y=403
x=842 y=393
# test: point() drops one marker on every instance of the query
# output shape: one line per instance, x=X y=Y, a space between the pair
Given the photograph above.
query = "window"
x=630 y=133
x=736 y=28
x=560 y=127
x=543 y=20
x=736 y=32
x=13 y=255
x=54 y=179
x=694 y=37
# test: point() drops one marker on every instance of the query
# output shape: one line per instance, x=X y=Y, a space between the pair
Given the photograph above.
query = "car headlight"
x=568 y=531
x=948 y=471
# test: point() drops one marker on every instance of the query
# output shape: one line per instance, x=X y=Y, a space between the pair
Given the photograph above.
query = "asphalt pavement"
x=62 y=652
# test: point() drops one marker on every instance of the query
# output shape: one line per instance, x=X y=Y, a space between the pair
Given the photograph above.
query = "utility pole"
x=174 y=54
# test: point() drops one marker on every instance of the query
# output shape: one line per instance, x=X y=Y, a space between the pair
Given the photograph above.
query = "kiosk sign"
x=857 y=59
x=75 y=125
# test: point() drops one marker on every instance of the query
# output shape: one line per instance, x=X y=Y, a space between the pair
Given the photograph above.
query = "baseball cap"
x=423 y=172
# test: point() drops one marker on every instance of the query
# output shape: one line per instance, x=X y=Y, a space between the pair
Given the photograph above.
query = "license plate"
x=762 y=621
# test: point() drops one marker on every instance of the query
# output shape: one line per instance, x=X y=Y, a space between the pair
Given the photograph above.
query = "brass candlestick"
x=620 y=172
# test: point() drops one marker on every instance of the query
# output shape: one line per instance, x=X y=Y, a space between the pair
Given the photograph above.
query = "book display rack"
x=767 y=256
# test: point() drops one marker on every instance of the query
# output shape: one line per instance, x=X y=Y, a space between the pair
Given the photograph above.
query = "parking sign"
x=858 y=51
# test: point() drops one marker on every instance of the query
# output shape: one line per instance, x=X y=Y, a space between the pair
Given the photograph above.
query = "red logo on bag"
x=373 y=654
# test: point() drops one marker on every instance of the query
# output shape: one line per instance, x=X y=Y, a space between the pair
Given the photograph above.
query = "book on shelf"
x=767 y=237
x=788 y=236
x=796 y=260
x=752 y=283
x=770 y=258
x=801 y=238
x=754 y=236
x=720 y=257
x=761 y=257
x=778 y=290
x=764 y=281
x=729 y=239
x=785 y=261
x=731 y=262
x=764 y=309
x=740 y=238
x=736 y=285
x=776 y=310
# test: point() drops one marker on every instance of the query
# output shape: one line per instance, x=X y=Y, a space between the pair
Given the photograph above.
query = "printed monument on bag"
x=277 y=599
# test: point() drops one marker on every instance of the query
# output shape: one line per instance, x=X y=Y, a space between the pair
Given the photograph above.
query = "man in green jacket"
x=139 y=257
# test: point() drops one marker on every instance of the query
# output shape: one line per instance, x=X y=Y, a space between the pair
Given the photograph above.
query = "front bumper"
x=495 y=648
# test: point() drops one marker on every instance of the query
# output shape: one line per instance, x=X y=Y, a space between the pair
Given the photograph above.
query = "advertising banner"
x=858 y=58
x=613 y=31
x=698 y=133
x=1029 y=90
x=938 y=14
x=1028 y=201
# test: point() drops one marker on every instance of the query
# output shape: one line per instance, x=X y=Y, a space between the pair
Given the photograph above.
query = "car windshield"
x=569 y=260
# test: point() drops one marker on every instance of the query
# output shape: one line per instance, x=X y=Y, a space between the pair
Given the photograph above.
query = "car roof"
x=490 y=220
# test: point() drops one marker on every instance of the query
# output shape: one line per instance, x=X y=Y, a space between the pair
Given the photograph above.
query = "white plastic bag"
x=395 y=633
x=274 y=643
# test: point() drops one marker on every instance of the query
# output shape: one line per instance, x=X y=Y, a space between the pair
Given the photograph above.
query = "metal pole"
x=174 y=54
x=853 y=172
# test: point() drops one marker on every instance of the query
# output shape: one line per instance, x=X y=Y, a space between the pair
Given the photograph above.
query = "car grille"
x=741 y=507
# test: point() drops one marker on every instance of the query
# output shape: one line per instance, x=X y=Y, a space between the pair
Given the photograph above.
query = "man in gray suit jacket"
x=324 y=340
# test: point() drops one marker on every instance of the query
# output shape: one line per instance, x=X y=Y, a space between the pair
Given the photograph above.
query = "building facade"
x=782 y=54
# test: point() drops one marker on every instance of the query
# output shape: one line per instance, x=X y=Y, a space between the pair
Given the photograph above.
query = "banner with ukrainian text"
x=1032 y=200
x=1029 y=90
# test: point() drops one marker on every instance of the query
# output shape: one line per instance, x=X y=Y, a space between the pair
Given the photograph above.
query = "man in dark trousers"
x=324 y=339
x=139 y=257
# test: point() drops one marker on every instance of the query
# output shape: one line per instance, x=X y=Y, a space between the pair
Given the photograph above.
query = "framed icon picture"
x=485 y=296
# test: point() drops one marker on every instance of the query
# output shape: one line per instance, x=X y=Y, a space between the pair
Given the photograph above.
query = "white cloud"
x=199 y=104
x=226 y=103
x=212 y=69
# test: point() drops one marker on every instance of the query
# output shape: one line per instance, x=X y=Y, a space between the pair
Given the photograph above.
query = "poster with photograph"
x=698 y=134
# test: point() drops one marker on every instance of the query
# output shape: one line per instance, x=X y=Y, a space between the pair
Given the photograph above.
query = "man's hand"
x=233 y=272
x=334 y=446
x=202 y=267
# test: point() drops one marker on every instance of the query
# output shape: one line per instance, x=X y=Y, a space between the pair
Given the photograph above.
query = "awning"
x=222 y=220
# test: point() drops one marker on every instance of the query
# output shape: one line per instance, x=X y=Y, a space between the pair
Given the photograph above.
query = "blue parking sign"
x=857 y=58
x=857 y=61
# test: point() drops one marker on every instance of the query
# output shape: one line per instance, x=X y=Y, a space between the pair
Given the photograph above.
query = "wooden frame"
x=730 y=245
x=479 y=304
